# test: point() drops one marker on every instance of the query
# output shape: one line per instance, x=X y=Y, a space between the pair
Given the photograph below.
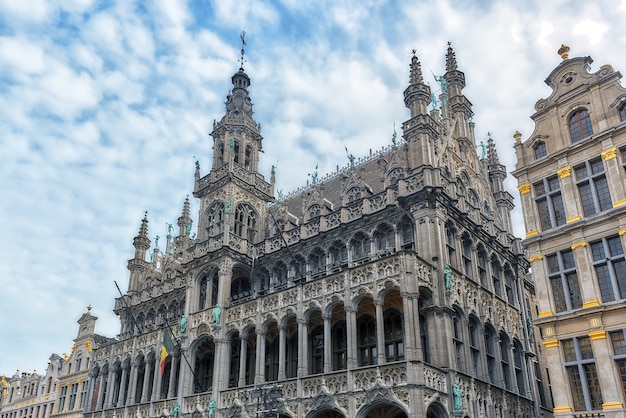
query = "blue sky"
x=105 y=105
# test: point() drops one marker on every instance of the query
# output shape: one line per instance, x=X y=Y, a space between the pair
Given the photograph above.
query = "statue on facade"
x=211 y=409
x=442 y=82
x=5 y=385
x=156 y=242
x=531 y=329
x=314 y=176
x=351 y=158
x=458 y=397
x=182 y=325
x=394 y=137
x=449 y=280
x=228 y=207
x=176 y=411
x=279 y=199
x=483 y=149
x=170 y=228
x=188 y=228
x=434 y=100
x=217 y=311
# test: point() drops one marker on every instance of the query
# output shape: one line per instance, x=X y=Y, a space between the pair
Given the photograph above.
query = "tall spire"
x=450 y=59
x=141 y=241
x=492 y=153
x=417 y=94
x=184 y=221
x=416 y=71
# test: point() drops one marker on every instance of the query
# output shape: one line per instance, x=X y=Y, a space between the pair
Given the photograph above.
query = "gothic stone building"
x=391 y=288
x=573 y=190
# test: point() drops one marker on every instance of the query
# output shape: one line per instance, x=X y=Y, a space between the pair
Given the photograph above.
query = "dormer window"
x=540 y=150
x=580 y=125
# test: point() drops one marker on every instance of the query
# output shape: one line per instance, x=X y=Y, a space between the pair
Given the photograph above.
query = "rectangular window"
x=549 y=203
x=564 y=281
x=610 y=266
x=583 y=376
x=593 y=187
x=618 y=341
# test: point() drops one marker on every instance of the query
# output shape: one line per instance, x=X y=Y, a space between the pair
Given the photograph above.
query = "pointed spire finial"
x=143 y=229
x=450 y=59
x=492 y=153
x=243 y=50
x=416 y=70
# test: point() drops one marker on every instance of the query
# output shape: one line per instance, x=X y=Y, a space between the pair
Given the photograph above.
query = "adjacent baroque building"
x=572 y=182
x=391 y=288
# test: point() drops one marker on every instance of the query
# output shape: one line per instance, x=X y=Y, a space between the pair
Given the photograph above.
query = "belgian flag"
x=166 y=348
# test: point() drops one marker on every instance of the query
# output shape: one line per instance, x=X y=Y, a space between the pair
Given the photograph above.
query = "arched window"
x=384 y=238
x=394 y=336
x=235 y=351
x=366 y=340
x=406 y=234
x=622 y=112
x=540 y=149
x=280 y=274
x=203 y=370
x=519 y=374
x=271 y=353
x=236 y=152
x=240 y=288
x=505 y=359
x=339 y=339
x=220 y=152
x=474 y=342
x=316 y=343
x=317 y=261
x=510 y=284
x=215 y=215
x=338 y=254
x=451 y=244
x=248 y=158
x=360 y=246
x=467 y=255
x=580 y=125
x=264 y=280
x=291 y=354
x=490 y=354
x=496 y=276
x=482 y=266
x=298 y=266
x=250 y=357
x=245 y=222
x=457 y=339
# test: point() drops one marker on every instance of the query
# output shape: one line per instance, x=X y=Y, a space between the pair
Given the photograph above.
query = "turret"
x=417 y=94
x=497 y=175
x=138 y=263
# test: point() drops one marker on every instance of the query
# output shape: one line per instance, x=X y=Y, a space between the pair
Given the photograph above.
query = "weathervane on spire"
x=243 y=44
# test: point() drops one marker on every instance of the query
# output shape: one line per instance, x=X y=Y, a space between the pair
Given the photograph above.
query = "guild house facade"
x=393 y=287
x=573 y=191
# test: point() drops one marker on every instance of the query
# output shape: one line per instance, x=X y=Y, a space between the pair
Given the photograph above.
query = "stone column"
x=90 y=390
x=121 y=398
x=108 y=401
x=302 y=342
x=101 y=389
x=612 y=393
x=380 y=333
x=242 y=362
x=411 y=325
x=614 y=173
x=173 y=369
x=328 y=341
x=352 y=362
x=281 y=351
x=558 y=378
x=156 y=382
x=145 y=396
x=132 y=384
x=260 y=358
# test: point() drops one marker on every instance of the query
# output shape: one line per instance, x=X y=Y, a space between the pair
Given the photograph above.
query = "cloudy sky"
x=105 y=104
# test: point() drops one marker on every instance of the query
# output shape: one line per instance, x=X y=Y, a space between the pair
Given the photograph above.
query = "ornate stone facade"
x=371 y=292
x=573 y=166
